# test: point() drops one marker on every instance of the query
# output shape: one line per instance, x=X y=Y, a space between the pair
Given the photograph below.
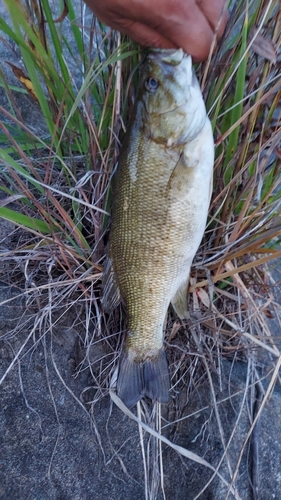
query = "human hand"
x=189 y=24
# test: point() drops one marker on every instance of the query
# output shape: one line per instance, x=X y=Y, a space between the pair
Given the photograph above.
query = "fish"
x=160 y=198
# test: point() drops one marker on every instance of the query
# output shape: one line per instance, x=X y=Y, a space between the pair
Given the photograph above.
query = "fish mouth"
x=172 y=57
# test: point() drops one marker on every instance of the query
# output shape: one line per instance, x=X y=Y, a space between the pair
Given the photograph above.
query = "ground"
x=53 y=448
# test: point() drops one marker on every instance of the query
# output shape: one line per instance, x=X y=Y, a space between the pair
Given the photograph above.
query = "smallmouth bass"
x=161 y=194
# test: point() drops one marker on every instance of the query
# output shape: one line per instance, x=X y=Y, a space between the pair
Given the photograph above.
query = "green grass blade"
x=236 y=111
x=27 y=222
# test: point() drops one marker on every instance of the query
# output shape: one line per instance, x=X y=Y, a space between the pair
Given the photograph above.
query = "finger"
x=177 y=37
x=168 y=24
x=182 y=22
x=216 y=14
x=183 y=30
x=178 y=24
x=144 y=35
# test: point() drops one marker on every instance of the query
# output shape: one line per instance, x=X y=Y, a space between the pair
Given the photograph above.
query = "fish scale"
x=161 y=194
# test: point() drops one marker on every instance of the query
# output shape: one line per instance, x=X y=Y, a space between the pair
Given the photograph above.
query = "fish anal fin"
x=179 y=301
x=111 y=294
x=149 y=377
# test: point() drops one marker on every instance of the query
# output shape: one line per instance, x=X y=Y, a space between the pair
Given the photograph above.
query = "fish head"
x=173 y=107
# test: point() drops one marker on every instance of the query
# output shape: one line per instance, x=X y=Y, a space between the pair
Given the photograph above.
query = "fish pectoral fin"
x=111 y=294
x=179 y=301
x=149 y=377
x=180 y=178
x=191 y=156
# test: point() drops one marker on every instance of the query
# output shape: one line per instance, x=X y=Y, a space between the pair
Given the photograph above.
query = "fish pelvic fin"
x=111 y=294
x=149 y=377
x=179 y=301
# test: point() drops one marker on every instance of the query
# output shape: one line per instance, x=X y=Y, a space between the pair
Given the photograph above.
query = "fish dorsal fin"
x=111 y=294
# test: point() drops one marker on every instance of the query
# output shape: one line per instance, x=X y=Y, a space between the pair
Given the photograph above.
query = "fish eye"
x=151 y=84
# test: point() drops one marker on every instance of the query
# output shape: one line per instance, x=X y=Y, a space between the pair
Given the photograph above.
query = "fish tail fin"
x=149 y=377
